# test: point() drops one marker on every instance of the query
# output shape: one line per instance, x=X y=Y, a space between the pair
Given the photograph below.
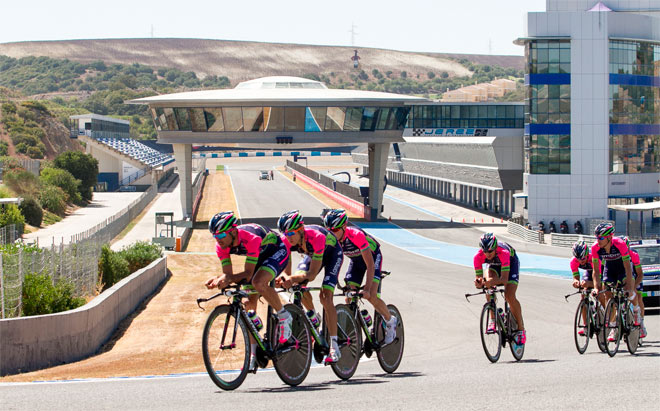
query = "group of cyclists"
x=607 y=263
x=268 y=262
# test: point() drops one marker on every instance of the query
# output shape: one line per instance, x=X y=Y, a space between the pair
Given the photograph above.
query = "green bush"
x=41 y=296
x=63 y=179
x=141 y=254
x=112 y=267
x=32 y=211
x=22 y=182
x=35 y=152
x=10 y=214
x=82 y=166
x=53 y=199
x=4 y=148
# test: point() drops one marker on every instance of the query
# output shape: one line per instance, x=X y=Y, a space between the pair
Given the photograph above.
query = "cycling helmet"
x=222 y=222
x=580 y=250
x=604 y=229
x=335 y=219
x=290 y=221
x=488 y=242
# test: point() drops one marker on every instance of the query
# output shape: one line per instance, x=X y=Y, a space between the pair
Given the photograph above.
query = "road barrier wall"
x=32 y=343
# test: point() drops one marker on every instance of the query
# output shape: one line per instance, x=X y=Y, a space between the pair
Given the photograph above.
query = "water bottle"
x=366 y=317
x=501 y=313
x=252 y=315
x=314 y=318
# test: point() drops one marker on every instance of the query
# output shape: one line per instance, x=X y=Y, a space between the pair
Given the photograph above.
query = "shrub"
x=10 y=214
x=32 y=211
x=141 y=254
x=53 y=199
x=41 y=296
x=82 y=166
x=8 y=108
x=4 y=148
x=112 y=267
x=22 y=182
x=63 y=179
x=35 y=152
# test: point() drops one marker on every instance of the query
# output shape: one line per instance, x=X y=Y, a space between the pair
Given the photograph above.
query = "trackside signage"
x=445 y=132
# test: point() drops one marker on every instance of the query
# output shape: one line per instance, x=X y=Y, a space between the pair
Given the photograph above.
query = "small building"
x=97 y=126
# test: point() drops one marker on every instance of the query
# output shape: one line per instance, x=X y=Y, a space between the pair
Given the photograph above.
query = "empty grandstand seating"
x=138 y=151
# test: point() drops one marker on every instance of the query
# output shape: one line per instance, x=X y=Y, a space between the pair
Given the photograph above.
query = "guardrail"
x=522 y=232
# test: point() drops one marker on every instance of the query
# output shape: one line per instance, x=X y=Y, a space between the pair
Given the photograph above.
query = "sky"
x=442 y=26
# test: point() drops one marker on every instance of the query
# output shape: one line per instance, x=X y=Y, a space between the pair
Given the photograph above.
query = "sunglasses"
x=602 y=238
x=292 y=232
x=334 y=230
x=220 y=236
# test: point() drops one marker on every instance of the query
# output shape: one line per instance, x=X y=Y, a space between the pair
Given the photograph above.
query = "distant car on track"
x=649 y=257
x=263 y=175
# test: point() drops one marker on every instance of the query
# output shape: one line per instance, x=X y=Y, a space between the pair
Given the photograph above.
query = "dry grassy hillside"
x=240 y=60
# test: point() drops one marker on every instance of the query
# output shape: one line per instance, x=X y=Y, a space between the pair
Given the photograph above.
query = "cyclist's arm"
x=637 y=268
x=369 y=262
x=595 y=264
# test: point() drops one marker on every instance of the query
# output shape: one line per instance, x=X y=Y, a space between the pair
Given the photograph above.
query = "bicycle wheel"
x=582 y=330
x=491 y=341
x=516 y=350
x=293 y=358
x=632 y=335
x=389 y=356
x=612 y=327
x=225 y=347
x=349 y=338
x=600 y=328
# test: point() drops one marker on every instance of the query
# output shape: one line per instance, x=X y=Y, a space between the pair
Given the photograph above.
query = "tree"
x=83 y=166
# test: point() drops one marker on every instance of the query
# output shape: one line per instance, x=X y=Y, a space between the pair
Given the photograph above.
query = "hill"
x=243 y=60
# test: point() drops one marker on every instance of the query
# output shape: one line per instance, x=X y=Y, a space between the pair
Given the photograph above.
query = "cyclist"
x=638 y=275
x=614 y=254
x=267 y=255
x=503 y=267
x=364 y=252
x=582 y=260
x=320 y=249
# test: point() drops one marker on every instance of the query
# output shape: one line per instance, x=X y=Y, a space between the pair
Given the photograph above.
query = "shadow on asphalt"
x=400 y=375
x=531 y=361
x=286 y=388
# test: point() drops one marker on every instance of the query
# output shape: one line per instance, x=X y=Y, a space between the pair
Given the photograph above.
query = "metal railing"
x=10 y=233
x=531 y=236
x=135 y=176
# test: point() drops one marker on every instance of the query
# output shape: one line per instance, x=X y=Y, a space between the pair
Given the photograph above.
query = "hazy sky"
x=452 y=26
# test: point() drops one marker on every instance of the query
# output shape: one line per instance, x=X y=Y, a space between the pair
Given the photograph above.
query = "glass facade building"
x=466 y=115
x=548 y=107
x=634 y=104
x=279 y=119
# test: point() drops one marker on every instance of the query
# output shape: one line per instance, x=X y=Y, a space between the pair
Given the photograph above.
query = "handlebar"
x=230 y=291
x=488 y=291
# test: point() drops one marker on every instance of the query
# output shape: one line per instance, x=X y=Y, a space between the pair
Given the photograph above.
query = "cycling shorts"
x=273 y=258
x=514 y=270
x=333 y=257
x=358 y=267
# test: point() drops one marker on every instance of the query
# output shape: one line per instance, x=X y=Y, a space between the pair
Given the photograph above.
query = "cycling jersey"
x=505 y=260
x=587 y=267
x=355 y=241
x=613 y=268
x=263 y=247
x=322 y=245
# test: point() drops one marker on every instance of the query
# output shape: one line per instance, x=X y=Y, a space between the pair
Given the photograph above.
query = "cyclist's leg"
x=303 y=268
x=587 y=282
x=375 y=300
x=332 y=265
x=271 y=266
x=510 y=293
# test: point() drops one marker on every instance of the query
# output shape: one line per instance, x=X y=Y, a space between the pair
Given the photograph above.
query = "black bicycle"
x=588 y=321
x=620 y=320
x=348 y=336
x=389 y=355
x=226 y=342
x=505 y=329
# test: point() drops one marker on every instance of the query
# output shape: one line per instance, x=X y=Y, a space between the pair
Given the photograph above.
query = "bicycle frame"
x=594 y=305
x=502 y=320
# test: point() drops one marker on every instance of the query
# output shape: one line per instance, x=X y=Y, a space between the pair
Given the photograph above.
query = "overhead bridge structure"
x=277 y=113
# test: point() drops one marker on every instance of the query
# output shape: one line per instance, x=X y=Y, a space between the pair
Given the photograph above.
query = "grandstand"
x=138 y=151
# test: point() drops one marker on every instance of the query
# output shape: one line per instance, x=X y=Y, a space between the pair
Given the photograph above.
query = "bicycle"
x=591 y=309
x=226 y=342
x=506 y=326
x=348 y=336
x=389 y=355
x=620 y=308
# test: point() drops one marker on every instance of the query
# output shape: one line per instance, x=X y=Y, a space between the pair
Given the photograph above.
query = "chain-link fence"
x=10 y=233
x=76 y=261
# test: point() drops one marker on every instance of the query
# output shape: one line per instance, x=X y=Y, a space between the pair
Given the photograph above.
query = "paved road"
x=444 y=365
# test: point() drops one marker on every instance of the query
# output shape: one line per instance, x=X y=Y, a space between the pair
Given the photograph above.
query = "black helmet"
x=580 y=250
x=604 y=229
x=335 y=219
x=290 y=221
x=222 y=222
x=488 y=242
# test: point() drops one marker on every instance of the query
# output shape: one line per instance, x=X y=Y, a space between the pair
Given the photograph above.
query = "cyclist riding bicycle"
x=320 y=249
x=267 y=255
x=582 y=261
x=365 y=255
x=614 y=254
x=638 y=275
x=503 y=269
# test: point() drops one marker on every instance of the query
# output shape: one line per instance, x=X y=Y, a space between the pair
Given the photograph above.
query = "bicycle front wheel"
x=632 y=336
x=516 y=350
x=390 y=355
x=582 y=330
x=490 y=340
x=601 y=338
x=349 y=339
x=293 y=359
x=612 y=327
x=225 y=347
